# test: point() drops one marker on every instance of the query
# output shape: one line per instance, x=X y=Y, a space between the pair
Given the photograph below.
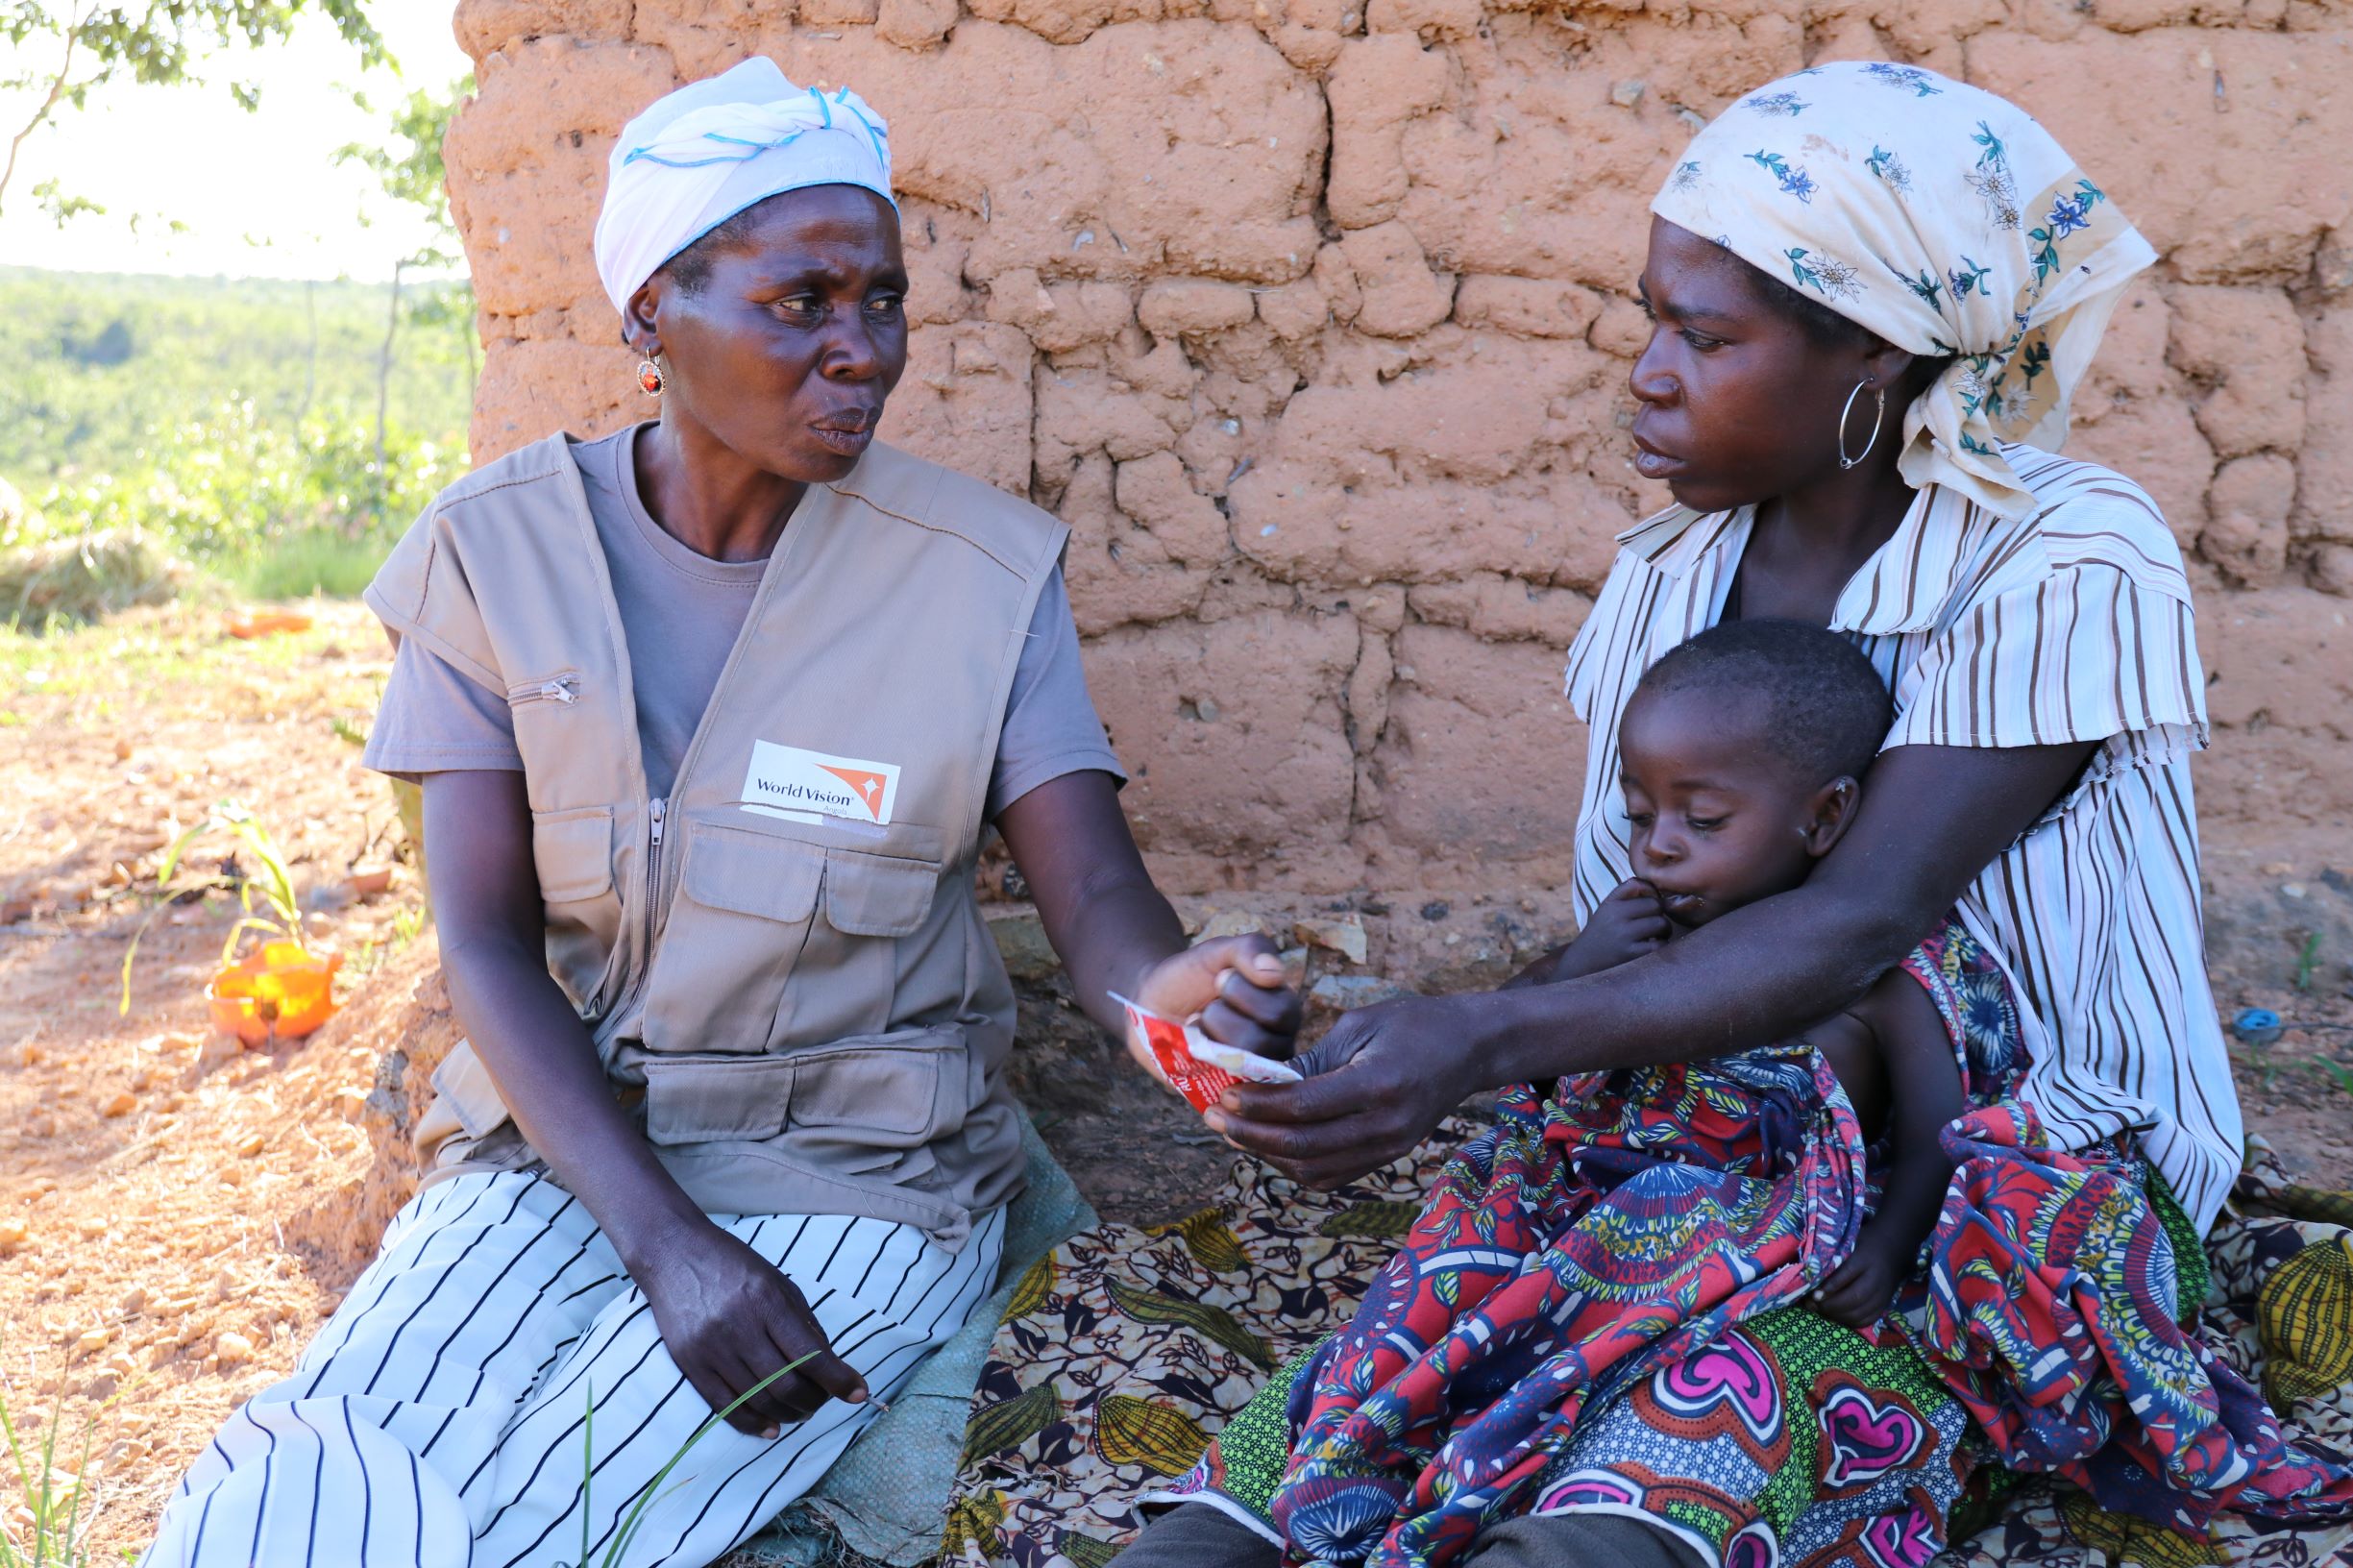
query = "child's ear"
x=1830 y=814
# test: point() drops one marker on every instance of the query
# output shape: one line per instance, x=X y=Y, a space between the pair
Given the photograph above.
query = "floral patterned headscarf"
x=1941 y=218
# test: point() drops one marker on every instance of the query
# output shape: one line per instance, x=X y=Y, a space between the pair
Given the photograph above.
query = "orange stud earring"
x=650 y=375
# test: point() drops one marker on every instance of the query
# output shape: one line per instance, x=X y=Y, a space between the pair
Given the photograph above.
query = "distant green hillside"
x=234 y=417
x=117 y=360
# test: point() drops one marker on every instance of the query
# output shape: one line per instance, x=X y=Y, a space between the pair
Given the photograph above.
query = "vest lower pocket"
x=885 y=1093
x=465 y=1103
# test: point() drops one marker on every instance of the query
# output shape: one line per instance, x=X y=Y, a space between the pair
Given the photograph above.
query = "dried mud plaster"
x=1311 y=318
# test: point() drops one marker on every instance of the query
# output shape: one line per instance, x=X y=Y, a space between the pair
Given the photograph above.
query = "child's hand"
x=1625 y=925
x=1859 y=1291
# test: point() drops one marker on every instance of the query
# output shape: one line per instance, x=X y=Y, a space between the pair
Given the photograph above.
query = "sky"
x=259 y=193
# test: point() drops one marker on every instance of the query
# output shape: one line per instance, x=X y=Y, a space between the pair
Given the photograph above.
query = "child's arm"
x=1625 y=925
x=1923 y=1088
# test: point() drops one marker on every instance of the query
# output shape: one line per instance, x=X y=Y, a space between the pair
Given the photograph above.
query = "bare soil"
x=174 y=1211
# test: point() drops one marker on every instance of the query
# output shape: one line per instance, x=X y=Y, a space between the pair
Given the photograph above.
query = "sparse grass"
x=315 y=563
x=406 y=927
x=74 y=673
x=274 y=887
x=54 y=1508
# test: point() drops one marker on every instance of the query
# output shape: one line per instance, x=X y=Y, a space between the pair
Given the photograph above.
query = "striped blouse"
x=2073 y=624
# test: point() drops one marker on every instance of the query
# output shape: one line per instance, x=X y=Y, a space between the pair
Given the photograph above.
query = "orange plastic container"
x=261 y=622
x=285 y=990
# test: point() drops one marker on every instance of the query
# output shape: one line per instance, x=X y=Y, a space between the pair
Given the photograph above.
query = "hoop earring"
x=1878 y=417
x=650 y=377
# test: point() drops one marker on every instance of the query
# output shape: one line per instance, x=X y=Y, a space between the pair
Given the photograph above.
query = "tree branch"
x=57 y=90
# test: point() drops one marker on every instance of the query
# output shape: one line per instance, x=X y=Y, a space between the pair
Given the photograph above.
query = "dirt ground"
x=172 y=1220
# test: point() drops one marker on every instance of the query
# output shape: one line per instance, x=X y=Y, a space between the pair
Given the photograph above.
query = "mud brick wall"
x=1312 y=319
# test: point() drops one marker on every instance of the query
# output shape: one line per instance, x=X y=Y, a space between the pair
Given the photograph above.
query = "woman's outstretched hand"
x=1375 y=1086
x=1116 y=934
x=1235 y=985
x=729 y=1318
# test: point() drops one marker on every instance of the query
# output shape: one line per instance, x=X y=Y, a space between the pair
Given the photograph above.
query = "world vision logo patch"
x=804 y=786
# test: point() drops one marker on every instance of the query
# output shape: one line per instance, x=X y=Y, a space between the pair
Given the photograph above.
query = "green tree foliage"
x=409 y=166
x=63 y=51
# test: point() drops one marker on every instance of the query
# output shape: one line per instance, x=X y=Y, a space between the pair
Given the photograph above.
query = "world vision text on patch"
x=794 y=781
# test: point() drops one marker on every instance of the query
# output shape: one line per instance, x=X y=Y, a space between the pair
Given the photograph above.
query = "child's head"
x=1741 y=753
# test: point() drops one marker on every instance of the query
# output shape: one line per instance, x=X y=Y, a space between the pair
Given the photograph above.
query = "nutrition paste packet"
x=1195 y=1065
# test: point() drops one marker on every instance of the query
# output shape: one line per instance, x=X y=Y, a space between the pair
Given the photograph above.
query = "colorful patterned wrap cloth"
x=1597 y=1308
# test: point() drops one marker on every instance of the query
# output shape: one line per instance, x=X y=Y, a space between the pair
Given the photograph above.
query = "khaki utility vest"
x=782 y=963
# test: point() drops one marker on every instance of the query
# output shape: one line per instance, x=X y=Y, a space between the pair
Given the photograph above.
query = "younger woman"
x=1586 y=1292
x=1874 y=291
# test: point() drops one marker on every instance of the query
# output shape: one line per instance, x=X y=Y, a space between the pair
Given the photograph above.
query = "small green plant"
x=652 y=1491
x=59 y=1508
x=275 y=886
x=2306 y=962
x=2336 y=1073
x=2259 y=1060
x=405 y=924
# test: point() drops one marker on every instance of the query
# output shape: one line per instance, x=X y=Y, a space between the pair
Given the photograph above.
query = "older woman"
x=1873 y=292
x=710 y=715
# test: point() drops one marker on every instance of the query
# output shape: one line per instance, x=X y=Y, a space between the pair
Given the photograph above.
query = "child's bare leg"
x=1852 y=1051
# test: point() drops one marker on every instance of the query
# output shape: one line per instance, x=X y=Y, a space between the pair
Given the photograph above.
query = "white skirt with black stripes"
x=438 y=1418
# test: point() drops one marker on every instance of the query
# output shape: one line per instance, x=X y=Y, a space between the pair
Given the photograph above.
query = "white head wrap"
x=700 y=155
x=1941 y=218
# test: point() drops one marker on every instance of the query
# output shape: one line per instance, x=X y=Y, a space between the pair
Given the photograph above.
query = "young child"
x=1744 y=751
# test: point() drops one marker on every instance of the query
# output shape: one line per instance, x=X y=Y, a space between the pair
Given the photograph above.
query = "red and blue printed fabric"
x=1619 y=1233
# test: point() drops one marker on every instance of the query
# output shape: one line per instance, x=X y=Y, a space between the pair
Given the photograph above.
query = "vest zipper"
x=655 y=810
x=563 y=689
x=595 y=1003
x=635 y=992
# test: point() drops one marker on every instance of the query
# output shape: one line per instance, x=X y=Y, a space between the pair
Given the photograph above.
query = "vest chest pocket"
x=879 y=895
x=860 y=974
x=732 y=938
x=573 y=852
